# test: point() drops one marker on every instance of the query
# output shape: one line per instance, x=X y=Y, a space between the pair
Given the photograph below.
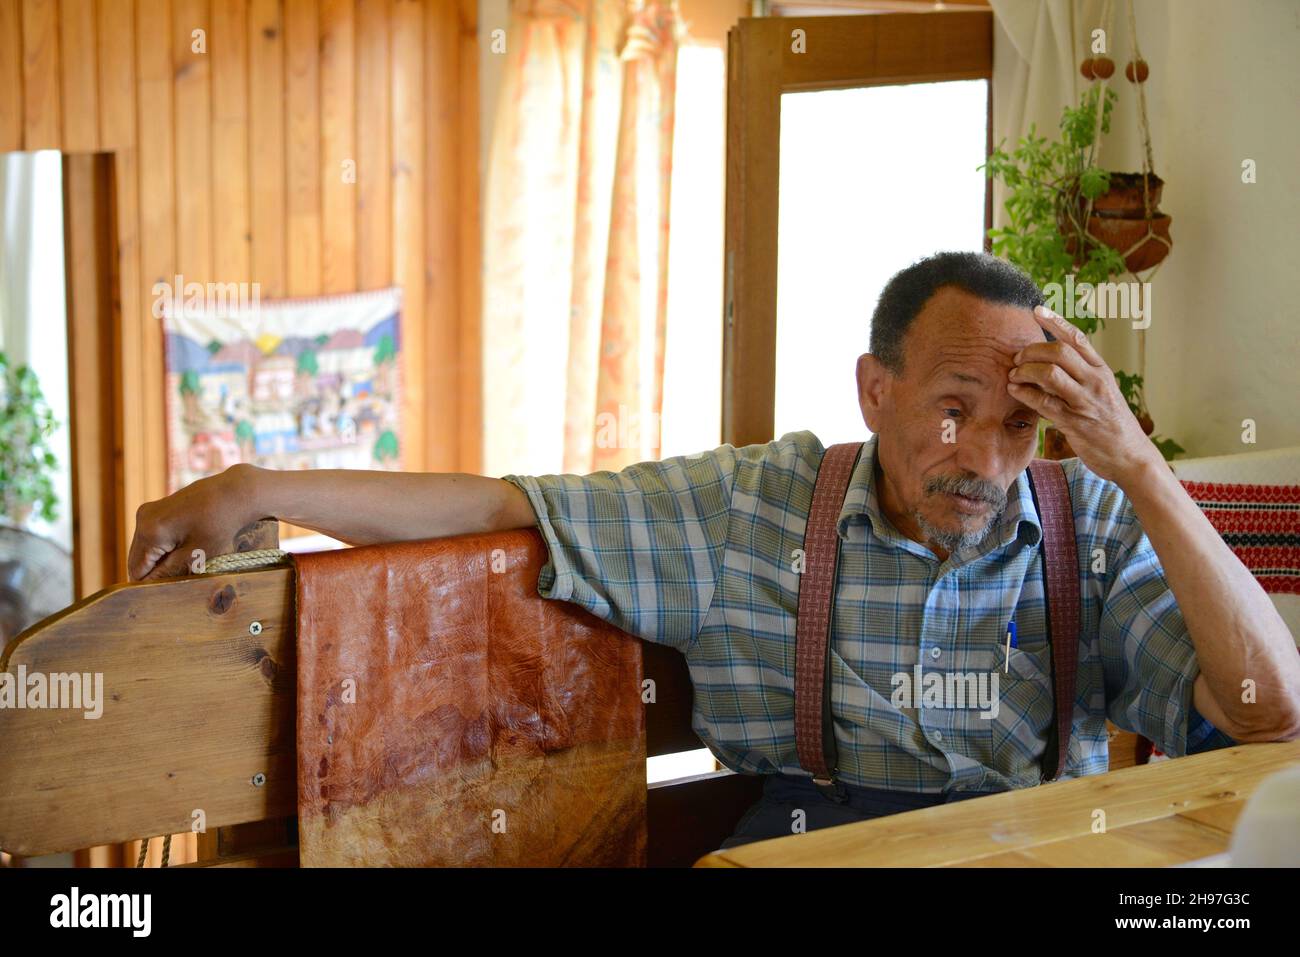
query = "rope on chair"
x=166 y=850
x=244 y=561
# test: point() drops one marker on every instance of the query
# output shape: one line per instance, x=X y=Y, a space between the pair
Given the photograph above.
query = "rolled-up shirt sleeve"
x=639 y=548
x=1148 y=659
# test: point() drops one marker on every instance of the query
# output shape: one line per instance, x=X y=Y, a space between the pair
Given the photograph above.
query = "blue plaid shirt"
x=701 y=553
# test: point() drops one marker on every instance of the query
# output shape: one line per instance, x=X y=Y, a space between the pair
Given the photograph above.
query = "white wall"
x=1224 y=345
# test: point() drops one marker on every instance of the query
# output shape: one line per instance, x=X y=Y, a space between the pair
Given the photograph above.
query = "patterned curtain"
x=576 y=236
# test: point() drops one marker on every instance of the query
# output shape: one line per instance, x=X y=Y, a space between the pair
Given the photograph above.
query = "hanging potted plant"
x=1126 y=217
x=1067 y=218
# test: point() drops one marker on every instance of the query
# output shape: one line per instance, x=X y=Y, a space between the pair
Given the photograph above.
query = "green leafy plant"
x=1131 y=387
x=26 y=461
x=1050 y=188
x=1051 y=185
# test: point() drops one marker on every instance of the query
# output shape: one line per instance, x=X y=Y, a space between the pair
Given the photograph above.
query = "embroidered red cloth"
x=1261 y=524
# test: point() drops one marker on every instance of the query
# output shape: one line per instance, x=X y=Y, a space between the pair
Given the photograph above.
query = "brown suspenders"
x=814 y=731
x=814 y=727
x=1060 y=557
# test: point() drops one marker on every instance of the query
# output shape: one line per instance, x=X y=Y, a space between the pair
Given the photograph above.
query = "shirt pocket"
x=1024 y=711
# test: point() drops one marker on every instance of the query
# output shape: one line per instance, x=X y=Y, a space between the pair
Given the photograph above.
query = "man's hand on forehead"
x=1068 y=382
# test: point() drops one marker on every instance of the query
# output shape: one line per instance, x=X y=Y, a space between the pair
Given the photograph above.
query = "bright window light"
x=692 y=410
x=670 y=767
x=872 y=179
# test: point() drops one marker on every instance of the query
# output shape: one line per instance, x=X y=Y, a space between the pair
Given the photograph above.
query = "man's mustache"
x=968 y=486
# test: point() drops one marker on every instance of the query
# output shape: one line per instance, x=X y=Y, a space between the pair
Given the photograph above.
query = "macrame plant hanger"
x=1148 y=162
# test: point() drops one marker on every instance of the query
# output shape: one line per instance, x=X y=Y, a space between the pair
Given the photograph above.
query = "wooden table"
x=1169 y=812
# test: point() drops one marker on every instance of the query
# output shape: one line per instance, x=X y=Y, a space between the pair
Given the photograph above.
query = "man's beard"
x=952 y=541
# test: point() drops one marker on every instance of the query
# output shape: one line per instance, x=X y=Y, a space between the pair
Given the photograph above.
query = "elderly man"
x=940 y=551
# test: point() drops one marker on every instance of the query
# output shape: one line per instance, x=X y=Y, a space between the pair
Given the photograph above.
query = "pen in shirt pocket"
x=1011 y=643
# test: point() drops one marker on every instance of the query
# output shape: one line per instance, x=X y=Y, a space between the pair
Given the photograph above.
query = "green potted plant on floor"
x=26 y=462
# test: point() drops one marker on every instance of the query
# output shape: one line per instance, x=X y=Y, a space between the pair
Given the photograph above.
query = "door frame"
x=94 y=318
x=762 y=64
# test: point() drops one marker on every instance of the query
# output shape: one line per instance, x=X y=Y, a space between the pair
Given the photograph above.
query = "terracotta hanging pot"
x=1119 y=219
x=1122 y=234
x=1124 y=198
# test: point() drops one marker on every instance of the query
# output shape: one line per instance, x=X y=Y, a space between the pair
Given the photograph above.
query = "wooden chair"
x=201 y=679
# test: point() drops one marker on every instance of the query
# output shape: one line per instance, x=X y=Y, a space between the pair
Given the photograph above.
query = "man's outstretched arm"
x=357 y=507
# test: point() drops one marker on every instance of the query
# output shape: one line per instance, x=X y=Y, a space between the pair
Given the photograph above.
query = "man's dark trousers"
x=773 y=814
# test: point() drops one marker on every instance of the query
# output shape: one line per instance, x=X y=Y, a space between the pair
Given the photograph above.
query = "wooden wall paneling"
x=115 y=58
x=302 y=158
x=117 y=134
x=168 y=198
x=11 y=75
x=338 y=81
x=468 y=396
x=266 y=145
x=302 y=141
x=268 y=183
x=156 y=141
x=89 y=246
x=231 y=218
x=192 y=102
x=215 y=181
x=408 y=129
x=77 y=55
x=374 y=147
x=442 y=370
x=42 y=107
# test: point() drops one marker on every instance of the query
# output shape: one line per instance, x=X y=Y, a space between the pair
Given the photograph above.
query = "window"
x=885 y=131
x=872 y=179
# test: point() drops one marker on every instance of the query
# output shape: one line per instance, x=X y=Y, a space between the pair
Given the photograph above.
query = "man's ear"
x=873 y=390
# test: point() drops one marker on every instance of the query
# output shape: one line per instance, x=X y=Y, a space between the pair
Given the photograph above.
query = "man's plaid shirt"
x=700 y=552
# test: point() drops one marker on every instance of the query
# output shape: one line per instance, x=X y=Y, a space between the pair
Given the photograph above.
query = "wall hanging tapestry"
x=285 y=384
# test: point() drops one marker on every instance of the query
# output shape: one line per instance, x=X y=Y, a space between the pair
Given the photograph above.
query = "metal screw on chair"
x=259 y=779
x=255 y=628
